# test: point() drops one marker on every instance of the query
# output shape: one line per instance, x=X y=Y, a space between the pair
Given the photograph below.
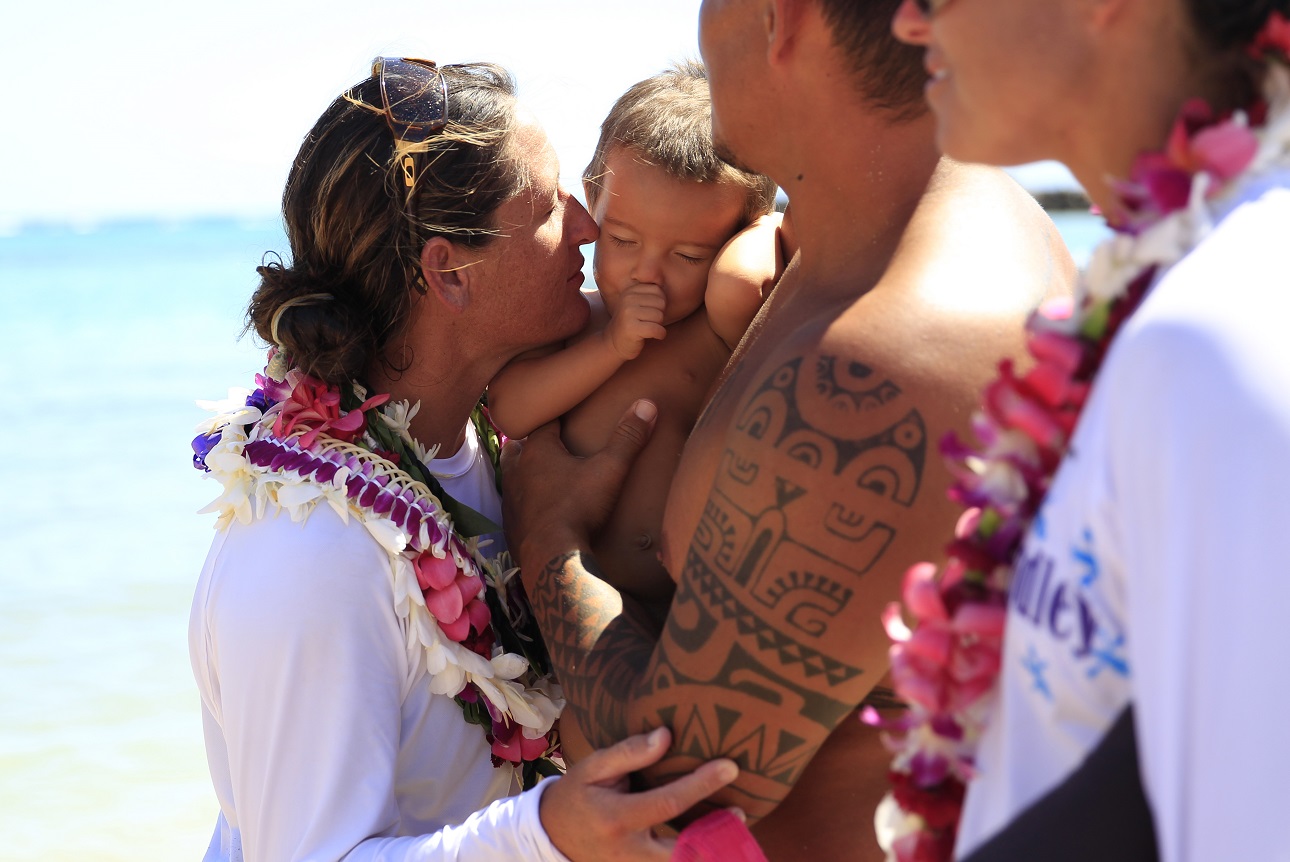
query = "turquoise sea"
x=107 y=336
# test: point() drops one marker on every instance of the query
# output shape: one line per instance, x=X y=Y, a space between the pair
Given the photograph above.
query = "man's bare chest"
x=707 y=449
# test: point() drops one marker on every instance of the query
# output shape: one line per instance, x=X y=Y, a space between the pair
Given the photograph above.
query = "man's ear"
x=1102 y=14
x=783 y=19
x=446 y=268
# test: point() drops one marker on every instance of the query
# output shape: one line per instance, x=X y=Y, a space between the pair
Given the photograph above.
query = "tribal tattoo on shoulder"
x=777 y=557
x=822 y=456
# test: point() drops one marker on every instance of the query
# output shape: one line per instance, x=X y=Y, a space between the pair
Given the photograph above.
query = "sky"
x=145 y=108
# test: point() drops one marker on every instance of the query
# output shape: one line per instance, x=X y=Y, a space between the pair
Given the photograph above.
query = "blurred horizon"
x=164 y=112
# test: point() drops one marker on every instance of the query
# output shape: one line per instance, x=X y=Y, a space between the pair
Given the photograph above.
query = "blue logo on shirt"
x=1068 y=610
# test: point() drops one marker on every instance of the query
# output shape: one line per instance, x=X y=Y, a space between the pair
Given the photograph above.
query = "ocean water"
x=107 y=337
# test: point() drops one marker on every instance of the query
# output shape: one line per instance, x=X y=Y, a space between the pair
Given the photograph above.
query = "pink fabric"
x=717 y=837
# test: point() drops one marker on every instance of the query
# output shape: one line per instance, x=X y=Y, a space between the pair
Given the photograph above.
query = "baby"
x=688 y=248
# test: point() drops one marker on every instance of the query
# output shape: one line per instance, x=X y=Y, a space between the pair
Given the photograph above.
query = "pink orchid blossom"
x=510 y=743
x=1274 y=38
x=945 y=663
x=1160 y=182
x=316 y=405
x=453 y=595
x=1014 y=408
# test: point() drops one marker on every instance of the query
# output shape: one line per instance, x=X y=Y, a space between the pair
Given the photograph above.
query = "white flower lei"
x=249 y=491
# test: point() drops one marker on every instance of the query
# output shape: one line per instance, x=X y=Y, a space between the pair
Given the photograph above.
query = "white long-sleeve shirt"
x=322 y=737
x=1155 y=572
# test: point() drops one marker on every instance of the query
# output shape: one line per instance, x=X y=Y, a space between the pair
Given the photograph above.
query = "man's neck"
x=853 y=187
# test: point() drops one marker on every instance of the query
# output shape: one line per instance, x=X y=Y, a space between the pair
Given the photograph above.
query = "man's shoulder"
x=978 y=255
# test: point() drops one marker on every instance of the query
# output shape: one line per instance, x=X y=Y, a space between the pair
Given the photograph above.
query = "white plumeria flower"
x=1274 y=142
x=509 y=666
x=1002 y=482
x=388 y=535
x=547 y=698
x=891 y=823
x=297 y=496
x=1111 y=268
x=231 y=410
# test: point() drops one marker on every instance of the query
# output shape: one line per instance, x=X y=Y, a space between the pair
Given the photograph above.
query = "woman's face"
x=530 y=276
x=1007 y=77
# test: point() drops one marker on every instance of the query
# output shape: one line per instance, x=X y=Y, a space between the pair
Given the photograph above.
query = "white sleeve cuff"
x=508 y=830
x=530 y=833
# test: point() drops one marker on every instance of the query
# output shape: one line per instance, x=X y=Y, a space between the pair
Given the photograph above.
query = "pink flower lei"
x=945 y=664
x=303 y=429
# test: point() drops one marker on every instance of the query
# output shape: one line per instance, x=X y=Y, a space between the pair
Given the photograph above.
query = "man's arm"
x=773 y=637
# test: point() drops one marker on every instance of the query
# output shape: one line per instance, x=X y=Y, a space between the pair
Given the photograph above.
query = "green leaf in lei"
x=465 y=521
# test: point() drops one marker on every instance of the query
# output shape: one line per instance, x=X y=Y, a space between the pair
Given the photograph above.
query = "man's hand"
x=590 y=814
x=639 y=316
x=557 y=500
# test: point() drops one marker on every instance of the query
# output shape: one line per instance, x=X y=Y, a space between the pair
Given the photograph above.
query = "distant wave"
x=13 y=227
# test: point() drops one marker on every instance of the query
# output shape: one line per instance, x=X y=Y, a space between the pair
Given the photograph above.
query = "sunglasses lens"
x=415 y=96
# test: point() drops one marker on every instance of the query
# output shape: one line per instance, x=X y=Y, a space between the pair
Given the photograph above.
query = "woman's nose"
x=579 y=227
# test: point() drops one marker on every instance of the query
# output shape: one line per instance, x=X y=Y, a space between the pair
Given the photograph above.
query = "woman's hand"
x=590 y=815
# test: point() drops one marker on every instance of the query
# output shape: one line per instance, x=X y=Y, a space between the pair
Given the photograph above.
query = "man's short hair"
x=667 y=120
x=888 y=73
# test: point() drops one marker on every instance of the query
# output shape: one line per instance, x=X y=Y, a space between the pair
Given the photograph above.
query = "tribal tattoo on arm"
x=600 y=643
x=762 y=653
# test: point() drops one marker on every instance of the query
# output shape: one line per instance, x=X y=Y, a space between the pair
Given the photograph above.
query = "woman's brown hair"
x=356 y=228
x=1224 y=30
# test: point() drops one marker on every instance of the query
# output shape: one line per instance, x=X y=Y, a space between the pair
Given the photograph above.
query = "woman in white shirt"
x=371 y=688
x=1132 y=481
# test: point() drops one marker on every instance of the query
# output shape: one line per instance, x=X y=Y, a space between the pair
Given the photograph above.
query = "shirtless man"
x=687 y=247
x=812 y=481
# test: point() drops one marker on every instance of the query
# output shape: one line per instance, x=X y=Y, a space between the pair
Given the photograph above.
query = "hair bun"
x=299 y=313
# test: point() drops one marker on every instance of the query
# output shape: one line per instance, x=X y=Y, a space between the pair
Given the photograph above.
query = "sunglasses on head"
x=928 y=8
x=414 y=99
x=414 y=96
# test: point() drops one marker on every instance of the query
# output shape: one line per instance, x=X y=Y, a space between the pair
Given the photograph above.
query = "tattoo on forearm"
x=600 y=654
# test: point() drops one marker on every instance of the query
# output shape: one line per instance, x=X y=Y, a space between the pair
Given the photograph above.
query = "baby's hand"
x=639 y=316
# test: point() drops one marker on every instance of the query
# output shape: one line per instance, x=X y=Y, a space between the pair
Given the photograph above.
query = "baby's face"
x=657 y=229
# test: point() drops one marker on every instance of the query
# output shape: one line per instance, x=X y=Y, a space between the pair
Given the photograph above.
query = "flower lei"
x=295 y=442
x=945 y=665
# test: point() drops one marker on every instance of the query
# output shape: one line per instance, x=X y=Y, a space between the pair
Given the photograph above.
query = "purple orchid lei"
x=948 y=661
x=482 y=645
